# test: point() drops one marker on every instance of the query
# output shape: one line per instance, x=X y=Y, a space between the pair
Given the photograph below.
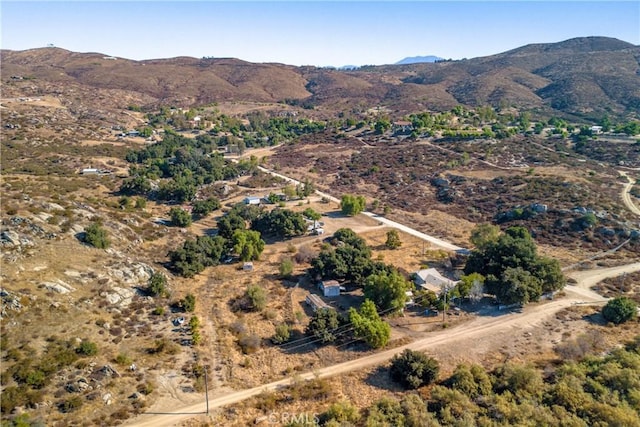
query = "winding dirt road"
x=626 y=194
x=476 y=330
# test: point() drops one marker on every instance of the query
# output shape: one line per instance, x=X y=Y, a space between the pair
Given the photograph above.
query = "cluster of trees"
x=599 y=391
x=349 y=259
x=234 y=237
x=368 y=326
x=179 y=165
x=510 y=266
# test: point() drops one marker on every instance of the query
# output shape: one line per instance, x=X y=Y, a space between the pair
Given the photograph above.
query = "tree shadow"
x=380 y=379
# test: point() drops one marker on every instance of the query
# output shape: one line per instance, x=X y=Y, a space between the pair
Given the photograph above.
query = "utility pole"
x=444 y=306
x=206 y=388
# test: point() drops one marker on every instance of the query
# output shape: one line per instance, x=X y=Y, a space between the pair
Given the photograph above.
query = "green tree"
x=468 y=282
x=387 y=290
x=157 y=285
x=311 y=214
x=247 y=244
x=180 y=217
x=188 y=303
x=393 y=239
x=280 y=222
x=202 y=208
x=323 y=325
x=620 y=310
x=413 y=369
x=483 y=235
x=96 y=236
x=382 y=125
x=352 y=205
x=368 y=325
x=229 y=223
x=513 y=271
x=256 y=298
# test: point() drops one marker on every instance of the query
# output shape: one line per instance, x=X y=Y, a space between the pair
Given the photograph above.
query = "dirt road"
x=626 y=195
x=475 y=331
x=431 y=239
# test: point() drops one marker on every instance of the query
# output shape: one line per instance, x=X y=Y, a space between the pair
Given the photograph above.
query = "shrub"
x=87 y=348
x=96 y=236
x=249 y=343
x=282 y=335
x=286 y=267
x=620 y=310
x=342 y=412
x=413 y=369
x=180 y=217
x=123 y=359
x=256 y=298
x=188 y=303
x=157 y=285
x=71 y=404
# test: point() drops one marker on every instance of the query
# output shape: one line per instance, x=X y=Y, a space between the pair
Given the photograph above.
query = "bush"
x=188 y=303
x=414 y=369
x=342 y=412
x=256 y=298
x=87 y=348
x=249 y=343
x=96 y=236
x=282 y=335
x=286 y=267
x=620 y=310
x=123 y=359
x=180 y=217
x=70 y=404
x=157 y=285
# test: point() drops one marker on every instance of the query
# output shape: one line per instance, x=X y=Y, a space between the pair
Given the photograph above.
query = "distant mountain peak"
x=418 y=59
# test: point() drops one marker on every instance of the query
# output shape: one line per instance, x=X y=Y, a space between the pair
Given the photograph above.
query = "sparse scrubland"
x=147 y=255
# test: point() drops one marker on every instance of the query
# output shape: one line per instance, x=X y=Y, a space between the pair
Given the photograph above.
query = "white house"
x=432 y=280
x=330 y=288
x=596 y=130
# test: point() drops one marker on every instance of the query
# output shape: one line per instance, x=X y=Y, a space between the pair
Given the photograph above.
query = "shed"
x=315 y=302
x=90 y=171
x=247 y=266
x=330 y=288
x=251 y=200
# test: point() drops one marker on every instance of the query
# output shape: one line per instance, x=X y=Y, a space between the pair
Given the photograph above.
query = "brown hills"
x=584 y=76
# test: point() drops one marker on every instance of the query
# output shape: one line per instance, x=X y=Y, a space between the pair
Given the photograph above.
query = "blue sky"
x=309 y=32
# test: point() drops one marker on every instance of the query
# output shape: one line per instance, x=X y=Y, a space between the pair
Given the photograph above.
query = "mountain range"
x=418 y=59
x=589 y=76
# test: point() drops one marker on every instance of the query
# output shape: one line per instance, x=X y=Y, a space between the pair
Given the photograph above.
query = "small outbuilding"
x=247 y=266
x=252 y=200
x=330 y=288
x=315 y=302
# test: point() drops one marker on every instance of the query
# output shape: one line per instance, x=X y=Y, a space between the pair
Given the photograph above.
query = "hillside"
x=583 y=76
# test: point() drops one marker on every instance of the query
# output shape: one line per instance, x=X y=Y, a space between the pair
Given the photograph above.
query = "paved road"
x=477 y=330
